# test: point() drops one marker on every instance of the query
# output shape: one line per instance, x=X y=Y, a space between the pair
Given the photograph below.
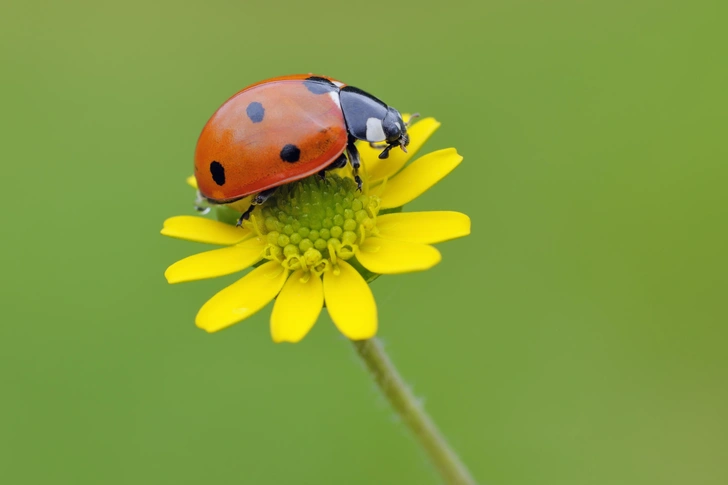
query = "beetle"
x=286 y=128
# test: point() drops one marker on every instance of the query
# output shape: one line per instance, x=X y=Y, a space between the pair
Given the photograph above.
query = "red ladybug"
x=287 y=128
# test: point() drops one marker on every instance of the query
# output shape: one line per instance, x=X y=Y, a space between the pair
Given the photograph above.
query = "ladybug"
x=286 y=128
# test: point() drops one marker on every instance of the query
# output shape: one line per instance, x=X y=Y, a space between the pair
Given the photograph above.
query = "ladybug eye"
x=218 y=173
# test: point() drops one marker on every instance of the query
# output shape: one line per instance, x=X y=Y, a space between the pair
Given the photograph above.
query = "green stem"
x=453 y=471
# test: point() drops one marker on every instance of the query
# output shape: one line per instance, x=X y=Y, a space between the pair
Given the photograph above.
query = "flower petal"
x=297 y=307
x=218 y=262
x=200 y=229
x=419 y=176
x=423 y=227
x=192 y=181
x=386 y=256
x=350 y=302
x=243 y=298
x=378 y=169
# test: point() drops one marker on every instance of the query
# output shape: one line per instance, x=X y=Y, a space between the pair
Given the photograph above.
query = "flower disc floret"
x=312 y=223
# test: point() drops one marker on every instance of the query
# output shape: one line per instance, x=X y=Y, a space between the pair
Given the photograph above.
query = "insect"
x=283 y=129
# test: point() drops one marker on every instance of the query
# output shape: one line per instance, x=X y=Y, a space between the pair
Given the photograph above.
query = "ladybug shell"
x=271 y=133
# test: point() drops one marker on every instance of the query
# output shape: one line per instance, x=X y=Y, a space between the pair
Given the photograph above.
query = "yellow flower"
x=316 y=240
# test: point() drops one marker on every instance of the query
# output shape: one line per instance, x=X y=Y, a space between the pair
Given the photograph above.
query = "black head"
x=395 y=129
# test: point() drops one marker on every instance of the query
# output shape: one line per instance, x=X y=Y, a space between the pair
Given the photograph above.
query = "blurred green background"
x=577 y=337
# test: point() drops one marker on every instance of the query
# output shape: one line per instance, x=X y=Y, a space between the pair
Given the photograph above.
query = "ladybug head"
x=395 y=129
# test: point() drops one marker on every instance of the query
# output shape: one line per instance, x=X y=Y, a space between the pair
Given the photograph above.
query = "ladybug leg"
x=355 y=161
x=385 y=152
x=401 y=143
x=338 y=163
x=377 y=146
x=245 y=216
x=258 y=200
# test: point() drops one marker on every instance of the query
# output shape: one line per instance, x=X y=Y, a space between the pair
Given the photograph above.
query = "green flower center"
x=311 y=223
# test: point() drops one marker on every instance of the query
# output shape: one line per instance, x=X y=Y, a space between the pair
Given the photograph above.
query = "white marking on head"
x=338 y=84
x=399 y=127
x=335 y=96
x=375 y=131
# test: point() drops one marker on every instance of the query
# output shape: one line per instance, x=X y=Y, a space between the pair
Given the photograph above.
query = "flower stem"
x=399 y=395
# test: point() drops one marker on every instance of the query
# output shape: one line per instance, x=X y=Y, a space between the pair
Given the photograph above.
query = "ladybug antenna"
x=412 y=117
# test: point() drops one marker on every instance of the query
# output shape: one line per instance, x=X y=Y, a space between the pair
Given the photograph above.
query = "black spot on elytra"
x=218 y=173
x=290 y=153
x=255 y=112
x=319 y=85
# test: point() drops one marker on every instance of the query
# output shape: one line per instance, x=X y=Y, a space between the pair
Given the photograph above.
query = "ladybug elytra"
x=284 y=129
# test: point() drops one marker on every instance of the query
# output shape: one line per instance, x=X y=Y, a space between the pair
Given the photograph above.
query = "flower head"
x=320 y=241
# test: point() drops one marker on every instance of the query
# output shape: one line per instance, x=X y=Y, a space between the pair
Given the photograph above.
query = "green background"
x=578 y=336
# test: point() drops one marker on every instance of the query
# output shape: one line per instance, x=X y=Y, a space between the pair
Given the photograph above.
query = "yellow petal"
x=297 y=307
x=350 y=302
x=378 y=169
x=386 y=256
x=423 y=227
x=200 y=229
x=192 y=181
x=243 y=298
x=218 y=262
x=419 y=176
